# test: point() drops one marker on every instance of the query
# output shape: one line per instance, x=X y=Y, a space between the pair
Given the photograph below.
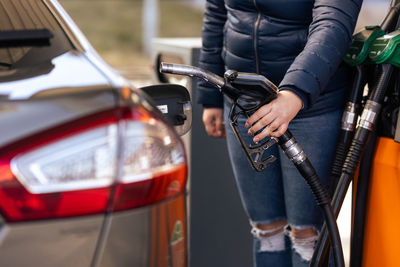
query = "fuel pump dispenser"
x=383 y=54
x=376 y=219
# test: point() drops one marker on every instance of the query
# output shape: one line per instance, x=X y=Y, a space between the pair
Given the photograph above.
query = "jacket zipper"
x=255 y=37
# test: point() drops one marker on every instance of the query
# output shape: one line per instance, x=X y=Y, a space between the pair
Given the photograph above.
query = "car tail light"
x=114 y=160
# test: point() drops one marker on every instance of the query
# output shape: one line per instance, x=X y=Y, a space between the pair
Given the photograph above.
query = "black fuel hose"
x=364 y=128
x=360 y=204
x=349 y=121
x=390 y=21
x=296 y=154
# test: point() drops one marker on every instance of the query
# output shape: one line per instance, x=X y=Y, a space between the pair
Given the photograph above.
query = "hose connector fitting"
x=349 y=118
x=369 y=115
x=293 y=151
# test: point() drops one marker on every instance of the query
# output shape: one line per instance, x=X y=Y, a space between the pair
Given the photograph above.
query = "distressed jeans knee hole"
x=271 y=240
x=304 y=247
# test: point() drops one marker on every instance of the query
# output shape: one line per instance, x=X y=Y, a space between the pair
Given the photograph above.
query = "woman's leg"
x=317 y=136
x=262 y=198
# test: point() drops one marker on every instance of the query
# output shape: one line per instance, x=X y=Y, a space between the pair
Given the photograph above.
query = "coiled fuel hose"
x=290 y=147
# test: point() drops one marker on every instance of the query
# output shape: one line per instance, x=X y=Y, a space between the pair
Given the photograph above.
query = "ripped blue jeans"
x=280 y=192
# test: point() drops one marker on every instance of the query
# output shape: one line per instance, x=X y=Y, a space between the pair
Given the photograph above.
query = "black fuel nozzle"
x=251 y=91
x=247 y=92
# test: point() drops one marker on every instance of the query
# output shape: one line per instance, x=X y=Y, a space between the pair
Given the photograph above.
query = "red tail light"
x=113 y=160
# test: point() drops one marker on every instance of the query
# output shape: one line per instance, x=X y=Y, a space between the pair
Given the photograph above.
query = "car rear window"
x=17 y=15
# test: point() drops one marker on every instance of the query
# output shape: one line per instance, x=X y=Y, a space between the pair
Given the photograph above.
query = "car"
x=91 y=171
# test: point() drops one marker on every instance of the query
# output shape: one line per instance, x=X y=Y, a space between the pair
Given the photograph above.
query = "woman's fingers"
x=268 y=131
x=280 y=131
x=260 y=113
x=263 y=122
x=275 y=116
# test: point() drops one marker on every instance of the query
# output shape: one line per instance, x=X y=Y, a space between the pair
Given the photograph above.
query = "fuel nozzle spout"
x=191 y=71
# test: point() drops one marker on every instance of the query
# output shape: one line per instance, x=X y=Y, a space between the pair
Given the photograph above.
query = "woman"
x=298 y=45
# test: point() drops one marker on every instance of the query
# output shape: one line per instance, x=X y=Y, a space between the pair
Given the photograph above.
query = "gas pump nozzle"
x=248 y=92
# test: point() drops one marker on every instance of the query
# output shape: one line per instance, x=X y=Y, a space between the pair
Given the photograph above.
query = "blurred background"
x=121 y=30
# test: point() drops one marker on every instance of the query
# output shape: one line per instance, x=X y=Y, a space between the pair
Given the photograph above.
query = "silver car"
x=91 y=174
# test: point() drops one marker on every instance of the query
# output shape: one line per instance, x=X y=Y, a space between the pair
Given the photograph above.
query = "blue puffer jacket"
x=297 y=44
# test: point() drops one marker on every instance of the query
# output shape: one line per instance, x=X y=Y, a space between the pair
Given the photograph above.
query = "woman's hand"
x=276 y=116
x=213 y=119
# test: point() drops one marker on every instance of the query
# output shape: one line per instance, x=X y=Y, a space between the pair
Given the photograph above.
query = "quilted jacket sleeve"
x=210 y=56
x=329 y=38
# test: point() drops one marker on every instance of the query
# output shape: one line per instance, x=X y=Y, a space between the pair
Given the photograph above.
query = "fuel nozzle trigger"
x=254 y=152
x=257 y=154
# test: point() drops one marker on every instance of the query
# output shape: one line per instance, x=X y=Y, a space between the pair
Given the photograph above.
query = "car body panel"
x=153 y=237
x=62 y=242
x=23 y=118
x=72 y=83
x=70 y=70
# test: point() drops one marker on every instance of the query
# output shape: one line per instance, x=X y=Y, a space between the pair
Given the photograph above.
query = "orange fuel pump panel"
x=382 y=232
